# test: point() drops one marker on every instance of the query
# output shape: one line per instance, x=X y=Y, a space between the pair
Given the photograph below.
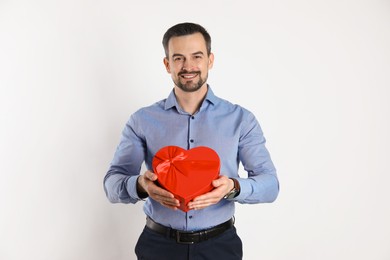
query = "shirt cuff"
x=132 y=187
x=244 y=186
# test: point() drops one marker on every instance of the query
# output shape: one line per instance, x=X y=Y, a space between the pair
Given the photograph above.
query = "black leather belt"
x=185 y=237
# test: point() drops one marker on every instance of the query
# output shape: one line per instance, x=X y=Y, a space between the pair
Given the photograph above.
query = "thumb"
x=216 y=183
x=150 y=175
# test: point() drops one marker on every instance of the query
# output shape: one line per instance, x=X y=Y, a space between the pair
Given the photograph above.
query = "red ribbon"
x=168 y=163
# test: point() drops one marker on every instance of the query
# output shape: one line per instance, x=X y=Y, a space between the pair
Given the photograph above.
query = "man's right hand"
x=146 y=184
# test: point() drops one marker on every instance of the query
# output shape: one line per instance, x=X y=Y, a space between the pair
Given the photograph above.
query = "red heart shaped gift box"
x=186 y=173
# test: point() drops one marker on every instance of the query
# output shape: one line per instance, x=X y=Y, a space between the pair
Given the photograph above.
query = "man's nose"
x=188 y=64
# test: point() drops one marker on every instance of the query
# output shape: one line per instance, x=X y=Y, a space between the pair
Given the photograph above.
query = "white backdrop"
x=315 y=73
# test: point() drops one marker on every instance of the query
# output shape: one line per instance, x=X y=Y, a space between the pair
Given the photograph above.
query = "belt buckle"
x=182 y=242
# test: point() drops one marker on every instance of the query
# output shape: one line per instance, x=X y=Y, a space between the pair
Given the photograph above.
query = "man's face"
x=188 y=62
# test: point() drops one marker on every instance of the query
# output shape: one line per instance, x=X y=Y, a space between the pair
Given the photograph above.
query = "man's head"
x=183 y=29
x=188 y=56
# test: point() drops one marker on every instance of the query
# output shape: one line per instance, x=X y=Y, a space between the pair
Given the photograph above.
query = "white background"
x=315 y=73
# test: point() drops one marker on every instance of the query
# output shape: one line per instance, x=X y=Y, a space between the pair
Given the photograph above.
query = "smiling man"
x=188 y=61
x=190 y=117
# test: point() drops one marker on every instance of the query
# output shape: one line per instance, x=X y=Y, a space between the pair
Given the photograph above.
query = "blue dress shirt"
x=231 y=130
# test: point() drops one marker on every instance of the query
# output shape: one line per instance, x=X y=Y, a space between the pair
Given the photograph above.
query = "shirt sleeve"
x=120 y=182
x=261 y=185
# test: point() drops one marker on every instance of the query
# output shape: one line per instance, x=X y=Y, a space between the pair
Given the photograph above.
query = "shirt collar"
x=172 y=102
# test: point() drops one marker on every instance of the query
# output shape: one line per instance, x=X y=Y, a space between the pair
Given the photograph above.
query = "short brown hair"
x=183 y=29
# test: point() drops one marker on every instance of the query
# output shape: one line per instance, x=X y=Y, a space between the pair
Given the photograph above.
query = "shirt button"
x=190 y=216
x=192 y=117
x=192 y=140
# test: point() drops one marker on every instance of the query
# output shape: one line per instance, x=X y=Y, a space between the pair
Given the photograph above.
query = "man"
x=191 y=116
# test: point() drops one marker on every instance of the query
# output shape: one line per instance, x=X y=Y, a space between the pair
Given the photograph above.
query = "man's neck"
x=190 y=101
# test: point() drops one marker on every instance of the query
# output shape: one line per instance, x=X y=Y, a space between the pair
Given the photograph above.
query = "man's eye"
x=178 y=59
x=198 y=57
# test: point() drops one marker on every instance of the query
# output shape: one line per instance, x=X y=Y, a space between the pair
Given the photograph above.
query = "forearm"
x=120 y=182
x=121 y=188
x=262 y=185
x=263 y=188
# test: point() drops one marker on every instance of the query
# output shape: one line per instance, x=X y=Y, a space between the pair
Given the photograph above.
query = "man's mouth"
x=188 y=75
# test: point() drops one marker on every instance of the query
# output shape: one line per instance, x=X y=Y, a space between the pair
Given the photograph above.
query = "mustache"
x=188 y=72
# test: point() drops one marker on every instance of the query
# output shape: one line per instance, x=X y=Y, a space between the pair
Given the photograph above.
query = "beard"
x=190 y=85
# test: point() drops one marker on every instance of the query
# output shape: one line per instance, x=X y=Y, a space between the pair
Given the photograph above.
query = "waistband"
x=192 y=237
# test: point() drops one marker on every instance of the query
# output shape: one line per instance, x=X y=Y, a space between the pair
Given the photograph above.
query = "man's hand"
x=146 y=184
x=222 y=186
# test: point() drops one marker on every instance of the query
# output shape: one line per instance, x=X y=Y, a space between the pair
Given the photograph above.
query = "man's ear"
x=166 y=63
x=211 y=60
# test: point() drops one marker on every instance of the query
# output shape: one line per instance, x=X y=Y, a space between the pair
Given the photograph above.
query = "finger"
x=169 y=206
x=159 y=192
x=170 y=200
x=215 y=194
x=150 y=175
x=220 y=181
x=198 y=207
x=202 y=203
x=216 y=183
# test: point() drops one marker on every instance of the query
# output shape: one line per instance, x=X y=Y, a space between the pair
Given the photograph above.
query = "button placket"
x=191 y=123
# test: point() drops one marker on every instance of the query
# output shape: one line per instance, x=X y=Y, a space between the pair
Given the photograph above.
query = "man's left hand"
x=222 y=186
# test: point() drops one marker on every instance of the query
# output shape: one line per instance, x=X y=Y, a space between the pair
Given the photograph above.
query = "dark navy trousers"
x=154 y=246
